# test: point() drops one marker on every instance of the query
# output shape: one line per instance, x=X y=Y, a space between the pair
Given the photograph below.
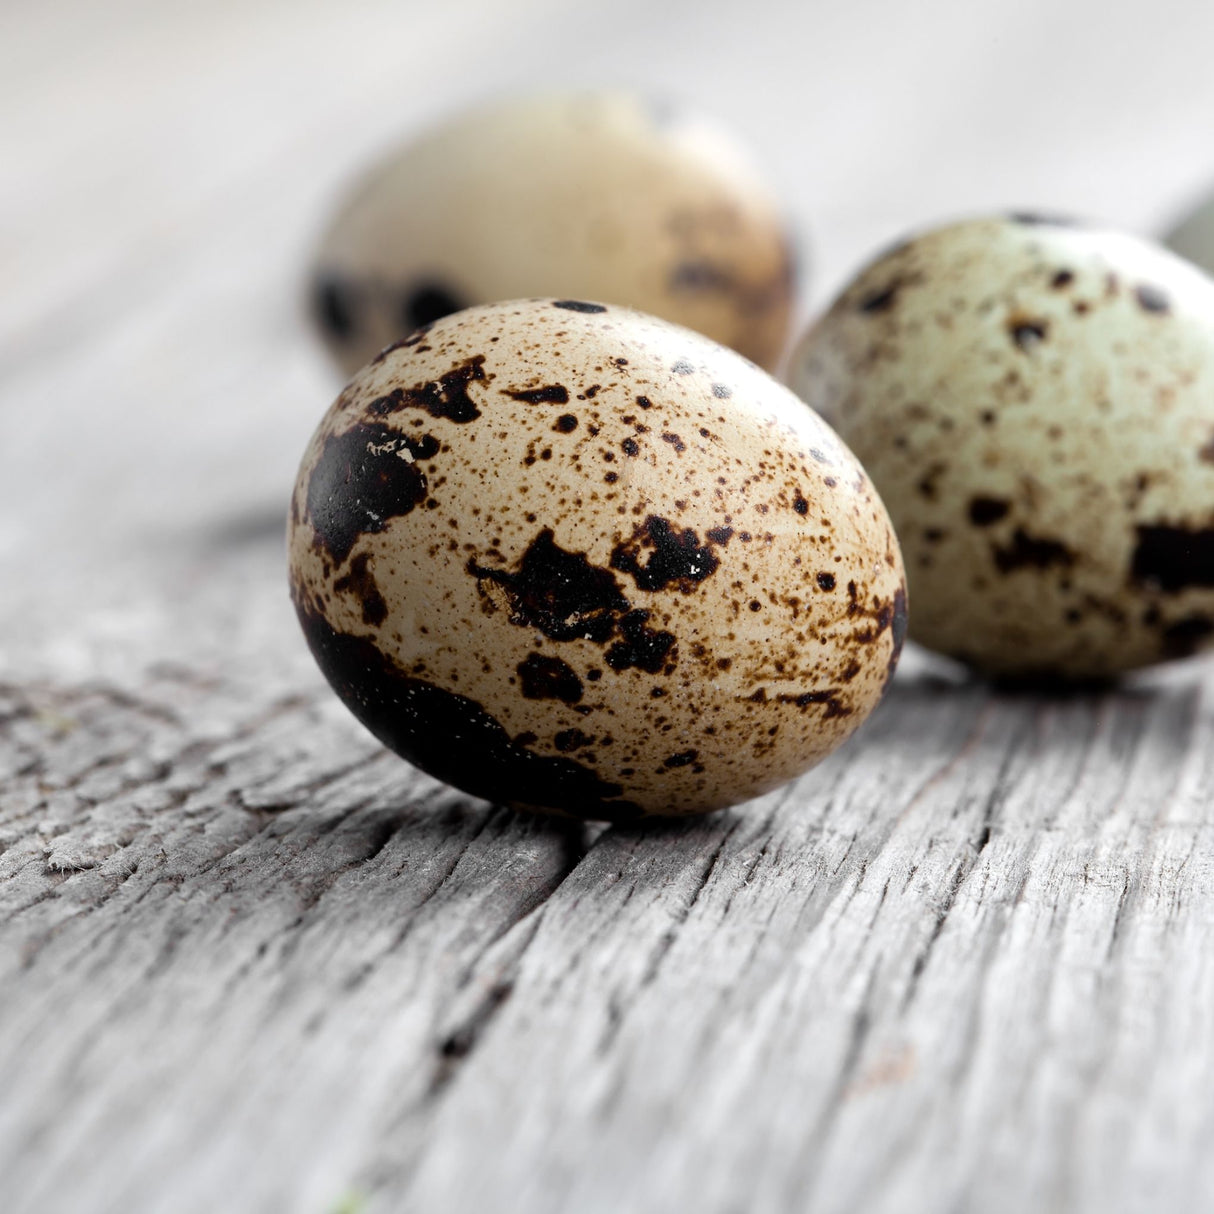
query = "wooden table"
x=251 y=962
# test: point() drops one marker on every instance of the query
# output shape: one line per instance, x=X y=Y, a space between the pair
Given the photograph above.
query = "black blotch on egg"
x=426 y=302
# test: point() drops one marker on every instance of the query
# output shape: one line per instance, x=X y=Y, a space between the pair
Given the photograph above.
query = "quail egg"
x=1193 y=237
x=1035 y=401
x=572 y=558
x=590 y=194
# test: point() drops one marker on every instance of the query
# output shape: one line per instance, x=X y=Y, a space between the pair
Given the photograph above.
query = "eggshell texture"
x=594 y=195
x=1035 y=402
x=573 y=558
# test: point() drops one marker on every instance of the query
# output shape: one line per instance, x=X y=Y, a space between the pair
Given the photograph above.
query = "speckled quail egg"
x=572 y=558
x=594 y=195
x=1034 y=400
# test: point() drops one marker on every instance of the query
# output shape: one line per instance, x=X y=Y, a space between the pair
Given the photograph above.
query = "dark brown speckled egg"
x=1035 y=401
x=596 y=195
x=573 y=558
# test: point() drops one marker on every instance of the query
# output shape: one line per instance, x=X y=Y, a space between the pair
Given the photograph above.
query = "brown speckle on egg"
x=607 y=651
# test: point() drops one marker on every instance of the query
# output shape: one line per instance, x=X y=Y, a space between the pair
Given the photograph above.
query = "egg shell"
x=592 y=195
x=572 y=558
x=1035 y=401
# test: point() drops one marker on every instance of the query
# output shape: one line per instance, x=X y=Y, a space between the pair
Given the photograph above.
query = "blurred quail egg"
x=595 y=195
x=573 y=558
x=1193 y=237
x=1035 y=401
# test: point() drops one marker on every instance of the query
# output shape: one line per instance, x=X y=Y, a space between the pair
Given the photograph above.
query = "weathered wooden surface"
x=250 y=962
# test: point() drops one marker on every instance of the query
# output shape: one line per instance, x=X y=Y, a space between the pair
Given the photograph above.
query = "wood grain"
x=251 y=962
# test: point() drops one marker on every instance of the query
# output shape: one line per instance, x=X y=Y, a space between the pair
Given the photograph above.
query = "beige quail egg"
x=1035 y=401
x=573 y=558
x=594 y=195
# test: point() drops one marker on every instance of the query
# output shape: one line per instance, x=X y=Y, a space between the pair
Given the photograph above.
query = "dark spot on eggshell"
x=881 y=616
x=426 y=302
x=1186 y=636
x=577 y=305
x=799 y=503
x=335 y=304
x=365 y=477
x=835 y=707
x=413 y=339
x=558 y=592
x=1044 y=219
x=675 y=557
x=571 y=739
x=747 y=298
x=452 y=736
x=547 y=678
x=642 y=647
x=826 y=581
x=898 y=625
x=1027 y=333
x=881 y=299
x=830 y=696
x=360 y=580
x=1031 y=552
x=446 y=397
x=675 y=441
x=566 y=423
x=984 y=511
x=553 y=394
x=1173 y=558
x=630 y=446
x=720 y=535
x=681 y=759
x=1152 y=299
x=1062 y=279
x=701 y=275
x=644 y=402
x=927 y=486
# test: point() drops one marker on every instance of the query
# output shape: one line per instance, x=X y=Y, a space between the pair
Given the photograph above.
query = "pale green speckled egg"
x=1034 y=400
